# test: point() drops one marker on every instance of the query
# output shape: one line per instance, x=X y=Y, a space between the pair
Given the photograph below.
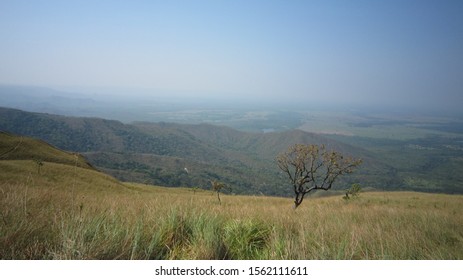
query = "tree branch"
x=311 y=167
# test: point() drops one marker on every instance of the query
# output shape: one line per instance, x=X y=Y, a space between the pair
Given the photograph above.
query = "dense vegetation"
x=158 y=153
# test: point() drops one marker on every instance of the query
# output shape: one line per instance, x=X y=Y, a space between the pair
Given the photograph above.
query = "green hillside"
x=175 y=155
x=60 y=170
x=14 y=147
x=160 y=153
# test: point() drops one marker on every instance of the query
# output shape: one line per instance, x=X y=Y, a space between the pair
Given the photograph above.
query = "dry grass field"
x=68 y=212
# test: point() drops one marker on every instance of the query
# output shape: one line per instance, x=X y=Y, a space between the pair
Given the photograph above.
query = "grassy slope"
x=75 y=213
x=14 y=147
x=70 y=211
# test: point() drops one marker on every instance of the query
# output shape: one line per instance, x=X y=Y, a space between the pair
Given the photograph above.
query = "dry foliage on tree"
x=312 y=167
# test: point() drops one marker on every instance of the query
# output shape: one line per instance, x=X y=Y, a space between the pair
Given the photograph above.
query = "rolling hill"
x=19 y=158
x=69 y=210
x=14 y=147
x=176 y=155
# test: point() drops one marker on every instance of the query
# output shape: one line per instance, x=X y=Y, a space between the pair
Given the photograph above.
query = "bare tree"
x=312 y=167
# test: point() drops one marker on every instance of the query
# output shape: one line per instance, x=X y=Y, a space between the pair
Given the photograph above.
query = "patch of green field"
x=379 y=126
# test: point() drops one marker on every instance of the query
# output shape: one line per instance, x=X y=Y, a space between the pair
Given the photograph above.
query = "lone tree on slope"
x=352 y=192
x=216 y=187
x=39 y=164
x=312 y=167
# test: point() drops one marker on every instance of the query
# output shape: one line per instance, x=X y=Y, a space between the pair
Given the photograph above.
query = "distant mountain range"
x=178 y=155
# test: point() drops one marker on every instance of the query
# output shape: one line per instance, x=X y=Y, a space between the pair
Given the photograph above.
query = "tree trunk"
x=298 y=199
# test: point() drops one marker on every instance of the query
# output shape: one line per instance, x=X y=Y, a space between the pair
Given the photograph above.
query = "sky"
x=397 y=53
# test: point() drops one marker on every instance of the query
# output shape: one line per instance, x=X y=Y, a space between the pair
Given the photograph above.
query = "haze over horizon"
x=394 y=53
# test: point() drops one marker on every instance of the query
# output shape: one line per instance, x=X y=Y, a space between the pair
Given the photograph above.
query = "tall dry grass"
x=62 y=213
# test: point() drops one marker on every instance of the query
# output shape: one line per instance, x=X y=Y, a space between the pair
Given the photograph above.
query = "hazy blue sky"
x=393 y=52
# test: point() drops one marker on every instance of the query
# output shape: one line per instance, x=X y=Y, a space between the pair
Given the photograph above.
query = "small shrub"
x=352 y=192
x=246 y=239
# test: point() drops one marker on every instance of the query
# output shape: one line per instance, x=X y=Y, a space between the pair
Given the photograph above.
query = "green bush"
x=246 y=239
